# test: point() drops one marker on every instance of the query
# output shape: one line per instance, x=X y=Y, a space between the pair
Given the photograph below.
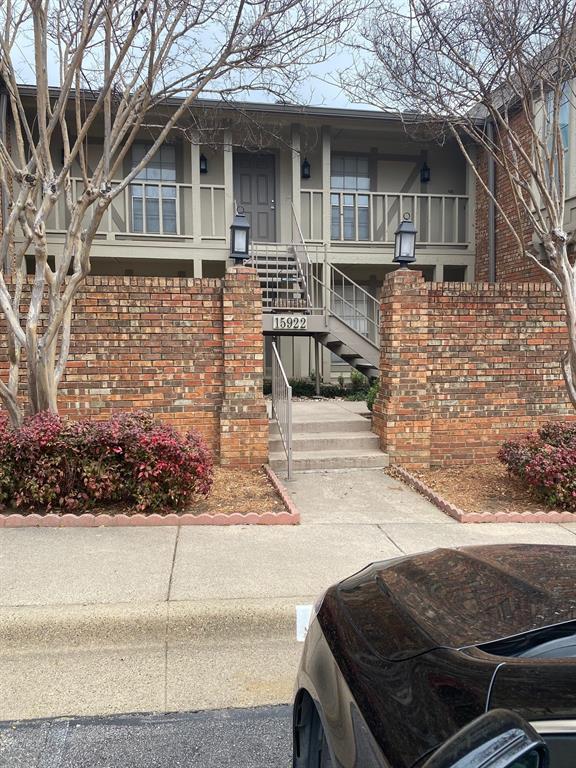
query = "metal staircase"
x=302 y=294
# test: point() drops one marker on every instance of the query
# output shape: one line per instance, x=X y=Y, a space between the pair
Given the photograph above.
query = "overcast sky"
x=322 y=90
x=319 y=90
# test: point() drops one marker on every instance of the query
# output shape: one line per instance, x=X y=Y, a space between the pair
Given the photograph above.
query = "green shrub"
x=372 y=394
x=307 y=388
x=359 y=382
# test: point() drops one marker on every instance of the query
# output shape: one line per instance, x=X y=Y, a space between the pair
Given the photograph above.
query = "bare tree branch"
x=130 y=67
x=458 y=65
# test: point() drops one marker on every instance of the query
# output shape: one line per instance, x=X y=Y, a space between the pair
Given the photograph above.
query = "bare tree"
x=498 y=77
x=124 y=65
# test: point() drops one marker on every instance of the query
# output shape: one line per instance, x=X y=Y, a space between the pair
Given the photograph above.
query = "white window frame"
x=155 y=182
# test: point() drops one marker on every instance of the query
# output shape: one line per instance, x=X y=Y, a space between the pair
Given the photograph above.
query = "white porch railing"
x=148 y=208
x=373 y=217
x=353 y=305
x=282 y=405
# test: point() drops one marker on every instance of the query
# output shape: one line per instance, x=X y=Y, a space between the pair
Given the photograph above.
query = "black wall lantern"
x=203 y=164
x=305 y=169
x=405 y=242
x=425 y=174
x=239 y=236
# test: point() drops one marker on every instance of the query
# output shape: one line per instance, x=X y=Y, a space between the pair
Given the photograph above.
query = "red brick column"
x=243 y=418
x=401 y=414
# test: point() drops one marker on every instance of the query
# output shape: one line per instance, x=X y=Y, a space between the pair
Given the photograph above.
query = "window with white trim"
x=350 y=209
x=153 y=197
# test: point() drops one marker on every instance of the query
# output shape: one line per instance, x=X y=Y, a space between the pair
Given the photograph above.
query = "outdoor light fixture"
x=425 y=174
x=239 y=236
x=305 y=169
x=405 y=242
x=203 y=164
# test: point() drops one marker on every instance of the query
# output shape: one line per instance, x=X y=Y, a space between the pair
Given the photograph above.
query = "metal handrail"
x=279 y=292
x=370 y=319
x=321 y=295
x=282 y=405
x=331 y=293
x=304 y=274
x=372 y=325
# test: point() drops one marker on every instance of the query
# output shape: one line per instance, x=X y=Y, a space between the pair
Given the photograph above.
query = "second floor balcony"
x=347 y=200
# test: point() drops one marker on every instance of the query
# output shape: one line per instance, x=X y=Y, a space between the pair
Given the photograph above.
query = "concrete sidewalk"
x=95 y=621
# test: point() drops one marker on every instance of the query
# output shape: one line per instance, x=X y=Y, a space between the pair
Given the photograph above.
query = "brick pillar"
x=243 y=418
x=401 y=416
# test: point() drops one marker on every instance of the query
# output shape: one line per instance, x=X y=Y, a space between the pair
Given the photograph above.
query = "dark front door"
x=254 y=190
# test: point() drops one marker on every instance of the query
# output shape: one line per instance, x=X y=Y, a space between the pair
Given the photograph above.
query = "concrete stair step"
x=345 y=459
x=276 y=263
x=279 y=275
x=277 y=258
x=327 y=441
x=344 y=425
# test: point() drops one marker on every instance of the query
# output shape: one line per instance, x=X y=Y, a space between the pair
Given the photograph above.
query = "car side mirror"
x=498 y=739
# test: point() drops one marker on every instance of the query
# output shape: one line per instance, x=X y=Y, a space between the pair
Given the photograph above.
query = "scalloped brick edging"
x=480 y=517
x=89 y=520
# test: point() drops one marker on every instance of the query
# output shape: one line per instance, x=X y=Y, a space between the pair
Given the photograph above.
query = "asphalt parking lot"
x=228 y=738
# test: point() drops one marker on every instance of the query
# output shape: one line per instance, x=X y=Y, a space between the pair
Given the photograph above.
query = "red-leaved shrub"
x=546 y=461
x=130 y=459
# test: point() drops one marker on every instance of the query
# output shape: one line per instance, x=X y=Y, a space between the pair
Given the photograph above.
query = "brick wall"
x=511 y=266
x=466 y=366
x=189 y=350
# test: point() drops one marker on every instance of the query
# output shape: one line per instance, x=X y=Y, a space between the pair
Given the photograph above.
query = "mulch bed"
x=482 y=488
x=239 y=490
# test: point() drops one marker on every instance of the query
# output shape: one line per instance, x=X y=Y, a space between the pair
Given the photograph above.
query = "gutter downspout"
x=491 y=210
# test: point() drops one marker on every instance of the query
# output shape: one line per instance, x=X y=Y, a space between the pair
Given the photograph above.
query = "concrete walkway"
x=95 y=621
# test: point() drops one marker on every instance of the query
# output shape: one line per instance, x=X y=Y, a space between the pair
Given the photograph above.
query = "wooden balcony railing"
x=373 y=217
x=165 y=209
x=148 y=208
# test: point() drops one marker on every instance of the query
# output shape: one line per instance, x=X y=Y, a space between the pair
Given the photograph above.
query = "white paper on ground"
x=303 y=616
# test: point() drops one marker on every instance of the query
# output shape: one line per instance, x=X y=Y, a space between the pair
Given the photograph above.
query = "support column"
x=317 y=365
x=327 y=285
x=439 y=273
x=197 y=266
x=228 y=183
x=401 y=415
x=471 y=209
x=296 y=163
x=326 y=172
x=196 y=198
x=243 y=416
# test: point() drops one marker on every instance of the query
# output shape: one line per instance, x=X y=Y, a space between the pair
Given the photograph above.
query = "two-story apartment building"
x=339 y=179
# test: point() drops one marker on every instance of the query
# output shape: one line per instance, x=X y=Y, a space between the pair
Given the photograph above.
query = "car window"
x=562 y=748
x=530 y=760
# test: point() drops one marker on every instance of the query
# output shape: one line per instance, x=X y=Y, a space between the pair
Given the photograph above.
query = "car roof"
x=458 y=598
